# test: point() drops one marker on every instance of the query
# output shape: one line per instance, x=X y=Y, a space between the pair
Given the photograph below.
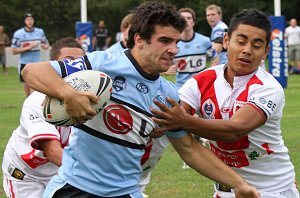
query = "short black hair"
x=152 y=13
x=251 y=17
x=61 y=43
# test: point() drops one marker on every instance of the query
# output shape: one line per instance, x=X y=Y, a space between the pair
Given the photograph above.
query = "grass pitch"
x=168 y=178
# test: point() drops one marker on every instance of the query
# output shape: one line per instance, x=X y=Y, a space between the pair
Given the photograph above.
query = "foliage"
x=58 y=18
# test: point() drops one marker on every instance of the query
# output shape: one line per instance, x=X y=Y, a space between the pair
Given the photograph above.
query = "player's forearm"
x=19 y=50
x=42 y=77
x=52 y=149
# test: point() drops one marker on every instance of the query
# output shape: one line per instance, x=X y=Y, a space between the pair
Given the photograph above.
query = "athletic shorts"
x=294 y=53
x=21 y=68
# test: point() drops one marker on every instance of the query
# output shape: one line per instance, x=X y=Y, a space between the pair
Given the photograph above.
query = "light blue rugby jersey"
x=21 y=37
x=117 y=47
x=191 y=57
x=218 y=32
x=104 y=159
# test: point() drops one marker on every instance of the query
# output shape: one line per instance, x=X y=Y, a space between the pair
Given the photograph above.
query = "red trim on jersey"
x=147 y=150
x=11 y=189
x=33 y=140
x=258 y=110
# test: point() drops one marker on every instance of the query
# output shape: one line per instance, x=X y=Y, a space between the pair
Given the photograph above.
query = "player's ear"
x=225 y=40
x=138 y=41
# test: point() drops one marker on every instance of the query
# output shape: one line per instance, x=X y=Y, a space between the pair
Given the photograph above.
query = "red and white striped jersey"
x=260 y=157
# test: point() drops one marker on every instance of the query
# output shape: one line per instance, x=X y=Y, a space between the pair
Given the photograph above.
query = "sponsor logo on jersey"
x=141 y=87
x=15 y=172
x=119 y=83
x=208 y=109
x=262 y=101
x=117 y=119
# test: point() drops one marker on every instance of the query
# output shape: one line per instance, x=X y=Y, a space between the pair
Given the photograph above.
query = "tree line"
x=58 y=18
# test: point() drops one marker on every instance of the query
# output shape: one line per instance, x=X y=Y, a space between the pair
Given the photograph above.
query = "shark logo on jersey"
x=141 y=87
x=77 y=64
x=117 y=119
x=119 y=83
x=208 y=109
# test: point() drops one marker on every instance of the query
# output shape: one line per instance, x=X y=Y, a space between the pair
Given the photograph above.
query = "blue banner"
x=278 y=55
x=84 y=34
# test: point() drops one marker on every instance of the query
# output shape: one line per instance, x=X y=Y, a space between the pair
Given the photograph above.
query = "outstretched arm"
x=245 y=120
x=208 y=164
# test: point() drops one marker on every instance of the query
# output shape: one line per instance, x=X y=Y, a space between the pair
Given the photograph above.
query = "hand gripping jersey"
x=191 y=57
x=104 y=155
x=22 y=151
x=21 y=38
x=217 y=35
x=260 y=157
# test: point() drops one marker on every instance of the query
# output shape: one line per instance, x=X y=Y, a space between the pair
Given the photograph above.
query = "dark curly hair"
x=152 y=13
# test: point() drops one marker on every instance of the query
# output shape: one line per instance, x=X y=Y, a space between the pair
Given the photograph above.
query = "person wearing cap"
x=28 y=42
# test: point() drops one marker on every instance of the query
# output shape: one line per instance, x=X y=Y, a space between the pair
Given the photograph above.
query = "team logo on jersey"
x=119 y=83
x=117 y=119
x=141 y=87
x=208 y=109
x=15 y=172
x=77 y=64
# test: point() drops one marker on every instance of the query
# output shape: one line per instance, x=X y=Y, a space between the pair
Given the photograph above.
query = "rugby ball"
x=96 y=82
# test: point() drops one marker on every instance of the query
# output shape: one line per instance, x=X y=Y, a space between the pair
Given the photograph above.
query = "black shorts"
x=68 y=191
x=21 y=68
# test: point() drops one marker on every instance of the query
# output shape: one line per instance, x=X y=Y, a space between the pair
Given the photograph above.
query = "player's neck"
x=187 y=35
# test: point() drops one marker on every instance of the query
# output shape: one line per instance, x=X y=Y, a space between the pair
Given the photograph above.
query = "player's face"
x=29 y=22
x=189 y=20
x=245 y=49
x=213 y=18
x=158 y=53
x=70 y=53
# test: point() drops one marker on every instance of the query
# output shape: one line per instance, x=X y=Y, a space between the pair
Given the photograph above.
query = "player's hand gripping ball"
x=96 y=82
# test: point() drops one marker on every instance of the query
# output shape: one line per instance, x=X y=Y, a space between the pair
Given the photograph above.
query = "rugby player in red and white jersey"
x=34 y=151
x=241 y=107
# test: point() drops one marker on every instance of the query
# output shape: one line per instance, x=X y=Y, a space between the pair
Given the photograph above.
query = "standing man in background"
x=4 y=41
x=101 y=38
x=218 y=29
x=292 y=36
x=28 y=42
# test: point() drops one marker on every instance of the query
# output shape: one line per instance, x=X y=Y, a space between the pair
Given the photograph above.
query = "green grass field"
x=168 y=179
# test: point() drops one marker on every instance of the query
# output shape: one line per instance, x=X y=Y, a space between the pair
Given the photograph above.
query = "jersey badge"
x=141 y=87
x=238 y=105
x=208 y=109
x=119 y=83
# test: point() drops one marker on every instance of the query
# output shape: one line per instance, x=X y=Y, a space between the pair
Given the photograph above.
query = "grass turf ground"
x=168 y=178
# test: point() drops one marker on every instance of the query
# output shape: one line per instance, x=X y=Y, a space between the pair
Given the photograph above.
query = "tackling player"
x=34 y=151
x=241 y=107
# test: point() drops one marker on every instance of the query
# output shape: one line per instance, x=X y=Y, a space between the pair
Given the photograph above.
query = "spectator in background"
x=34 y=151
x=218 y=29
x=28 y=42
x=292 y=36
x=125 y=25
x=4 y=41
x=101 y=37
